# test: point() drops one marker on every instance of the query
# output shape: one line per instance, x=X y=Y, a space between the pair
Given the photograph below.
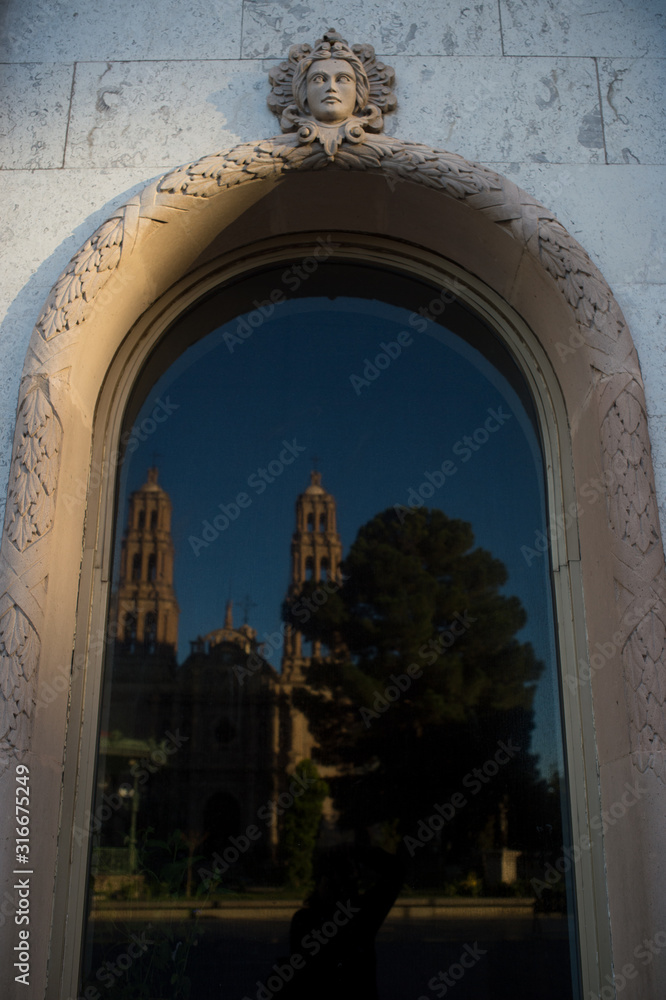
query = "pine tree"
x=425 y=676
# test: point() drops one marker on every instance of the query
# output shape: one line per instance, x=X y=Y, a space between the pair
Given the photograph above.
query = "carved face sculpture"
x=331 y=90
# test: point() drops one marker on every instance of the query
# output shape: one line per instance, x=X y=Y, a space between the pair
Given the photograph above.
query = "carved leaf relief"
x=648 y=699
x=633 y=507
x=85 y=275
x=32 y=485
x=20 y=648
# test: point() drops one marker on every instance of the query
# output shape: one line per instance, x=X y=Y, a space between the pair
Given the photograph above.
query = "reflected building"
x=147 y=611
x=316 y=554
x=228 y=700
x=242 y=735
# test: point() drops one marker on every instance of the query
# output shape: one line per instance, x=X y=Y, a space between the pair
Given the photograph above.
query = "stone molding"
x=604 y=347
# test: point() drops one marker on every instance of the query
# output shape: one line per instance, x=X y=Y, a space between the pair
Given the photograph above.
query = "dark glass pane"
x=330 y=754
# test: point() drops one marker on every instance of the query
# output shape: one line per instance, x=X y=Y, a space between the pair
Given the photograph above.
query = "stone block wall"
x=565 y=97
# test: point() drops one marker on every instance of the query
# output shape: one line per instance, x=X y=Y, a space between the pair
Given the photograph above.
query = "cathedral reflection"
x=376 y=733
x=209 y=746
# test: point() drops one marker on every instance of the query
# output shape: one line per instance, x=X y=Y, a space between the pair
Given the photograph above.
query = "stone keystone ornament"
x=332 y=93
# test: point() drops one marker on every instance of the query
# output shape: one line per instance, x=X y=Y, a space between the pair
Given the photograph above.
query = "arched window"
x=130 y=627
x=446 y=706
x=150 y=631
x=152 y=567
x=136 y=566
x=153 y=520
x=141 y=524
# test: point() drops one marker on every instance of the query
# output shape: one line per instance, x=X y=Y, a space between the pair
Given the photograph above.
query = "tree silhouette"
x=301 y=826
x=425 y=676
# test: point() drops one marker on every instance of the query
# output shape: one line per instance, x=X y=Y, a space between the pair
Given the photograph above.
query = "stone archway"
x=422 y=198
x=177 y=215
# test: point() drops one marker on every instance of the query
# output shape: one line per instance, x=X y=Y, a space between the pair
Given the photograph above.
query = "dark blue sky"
x=290 y=381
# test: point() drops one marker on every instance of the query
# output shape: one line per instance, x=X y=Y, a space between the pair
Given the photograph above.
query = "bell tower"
x=316 y=552
x=147 y=618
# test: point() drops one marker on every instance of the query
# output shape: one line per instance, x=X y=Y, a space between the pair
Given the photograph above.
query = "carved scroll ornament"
x=335 y=133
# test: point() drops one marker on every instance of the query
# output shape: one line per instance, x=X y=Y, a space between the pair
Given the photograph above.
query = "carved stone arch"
x=220 y=207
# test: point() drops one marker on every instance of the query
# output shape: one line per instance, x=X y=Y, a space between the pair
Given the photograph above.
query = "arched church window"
x=417 y=694
x=150 y=631
x=130 y=628
x=153 y=520
x=142 y=520
x=136 y=566
x=152 y=567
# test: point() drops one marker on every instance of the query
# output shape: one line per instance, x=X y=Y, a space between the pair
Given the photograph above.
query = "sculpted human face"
x=331 y=90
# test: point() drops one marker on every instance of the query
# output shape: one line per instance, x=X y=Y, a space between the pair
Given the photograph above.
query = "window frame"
x=128 y=369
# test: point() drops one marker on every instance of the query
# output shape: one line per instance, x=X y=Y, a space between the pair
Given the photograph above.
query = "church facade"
x=240 y=734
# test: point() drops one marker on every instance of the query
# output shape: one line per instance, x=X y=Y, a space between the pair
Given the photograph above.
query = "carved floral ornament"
x=331 y=100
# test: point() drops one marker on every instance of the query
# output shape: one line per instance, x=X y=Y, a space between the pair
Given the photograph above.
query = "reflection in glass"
x=330 y=754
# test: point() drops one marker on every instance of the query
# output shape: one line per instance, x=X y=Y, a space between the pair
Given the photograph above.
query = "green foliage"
x=301 y=826
x=417 y=594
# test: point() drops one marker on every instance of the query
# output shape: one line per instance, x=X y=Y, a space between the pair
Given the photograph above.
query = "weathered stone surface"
x=499 y=109
x=612 y=28
x=164 y=113
x=47 y=30
x=34 y=102
x=658 y=438
x=644 y=307
x=423 y=27
x=634 y=108
x=620 y=212
x=69 y=205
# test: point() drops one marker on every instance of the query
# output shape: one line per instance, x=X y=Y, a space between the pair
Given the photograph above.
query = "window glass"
x=330 y=746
